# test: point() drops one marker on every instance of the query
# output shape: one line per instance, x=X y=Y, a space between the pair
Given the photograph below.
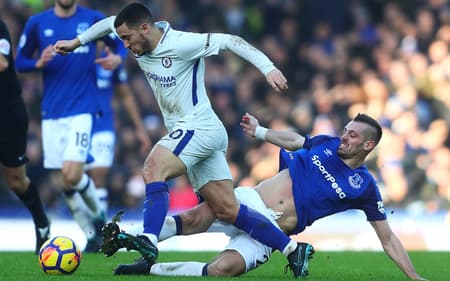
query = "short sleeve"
x=373 y=205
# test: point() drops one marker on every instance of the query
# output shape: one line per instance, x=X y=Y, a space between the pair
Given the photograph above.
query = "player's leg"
x=66 y=144
x=78 y=185
x=220 y=197
x=160 y=165
x=13 y=141
x=228 y=263
x=102 y=150
x=17 y=180
x=195 y=220
x=242 y=254
x=211 y=176
x=76 y=181
x=172 y=156
x=99 y=176
x=75 y=156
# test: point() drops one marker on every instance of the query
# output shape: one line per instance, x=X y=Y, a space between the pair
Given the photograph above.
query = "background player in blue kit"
x=110 y=83
x=319 y=176
x=13 y=139
x=196 y=143
x=68 y=103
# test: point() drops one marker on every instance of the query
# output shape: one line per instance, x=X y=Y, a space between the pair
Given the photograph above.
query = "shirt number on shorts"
x=82 y=139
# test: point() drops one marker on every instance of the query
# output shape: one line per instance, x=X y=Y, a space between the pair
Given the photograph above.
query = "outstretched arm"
x=96 y=31
x=394 y=249
x=285 y=139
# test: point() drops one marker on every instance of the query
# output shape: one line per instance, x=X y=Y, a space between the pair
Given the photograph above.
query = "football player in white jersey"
x=196 y=143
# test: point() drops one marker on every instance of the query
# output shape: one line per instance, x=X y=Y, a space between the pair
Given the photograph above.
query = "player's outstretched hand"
x=63 y=47
x=45 y=57
x=249 y=124
x=277 y=80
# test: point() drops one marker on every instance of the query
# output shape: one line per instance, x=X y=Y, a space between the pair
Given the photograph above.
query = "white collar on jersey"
x=165 y=26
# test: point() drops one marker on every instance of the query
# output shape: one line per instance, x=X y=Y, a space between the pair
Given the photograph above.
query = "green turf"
x=336 y=266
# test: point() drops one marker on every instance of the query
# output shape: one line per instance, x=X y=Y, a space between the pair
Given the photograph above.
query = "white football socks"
x=86 y=188
x=290 y=248
x=80 y=213
x=102 y=195
x=178 y=268
x=169 y=229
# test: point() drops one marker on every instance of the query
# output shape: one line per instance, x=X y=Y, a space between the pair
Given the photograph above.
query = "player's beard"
x=66 y=4
x=146 y=47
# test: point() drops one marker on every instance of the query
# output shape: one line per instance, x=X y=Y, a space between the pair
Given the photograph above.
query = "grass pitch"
x=336 y=266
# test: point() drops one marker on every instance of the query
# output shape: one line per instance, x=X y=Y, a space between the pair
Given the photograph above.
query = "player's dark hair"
x=378 y=132
x=133 y=15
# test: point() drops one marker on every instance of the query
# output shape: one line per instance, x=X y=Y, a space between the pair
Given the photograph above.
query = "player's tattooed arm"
x=241 y=43
x=248 y=52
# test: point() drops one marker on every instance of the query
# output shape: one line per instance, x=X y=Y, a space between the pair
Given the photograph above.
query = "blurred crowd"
x=389 y=59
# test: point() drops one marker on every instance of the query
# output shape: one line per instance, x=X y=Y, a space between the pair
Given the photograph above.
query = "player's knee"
x=191 y=222
x=153 y=172
x=70 y=179
x=17 y=183
x=226 y=212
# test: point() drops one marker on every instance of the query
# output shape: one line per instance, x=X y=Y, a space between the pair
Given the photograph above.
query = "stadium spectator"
x=13 y=140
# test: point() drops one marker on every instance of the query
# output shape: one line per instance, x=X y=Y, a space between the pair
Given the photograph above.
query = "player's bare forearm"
x=64 y=47
x=285 y=139
x=394 y=249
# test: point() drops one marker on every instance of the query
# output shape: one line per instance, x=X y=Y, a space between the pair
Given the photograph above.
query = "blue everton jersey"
x=106 y=80
x=70 y=80
x=323 y=184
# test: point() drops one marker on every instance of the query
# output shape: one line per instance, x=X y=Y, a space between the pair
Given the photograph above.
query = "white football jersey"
x=175 y=71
